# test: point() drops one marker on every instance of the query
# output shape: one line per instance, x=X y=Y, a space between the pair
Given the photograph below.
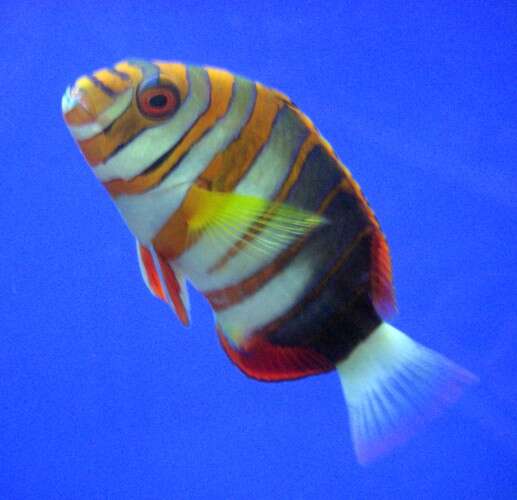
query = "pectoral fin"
x=263 y=225
x=165 y=282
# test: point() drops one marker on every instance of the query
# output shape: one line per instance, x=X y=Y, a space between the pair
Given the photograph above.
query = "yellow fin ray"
x=265 y=226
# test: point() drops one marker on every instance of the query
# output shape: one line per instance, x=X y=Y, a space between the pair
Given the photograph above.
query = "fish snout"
x=74 y=103
x=82 y=109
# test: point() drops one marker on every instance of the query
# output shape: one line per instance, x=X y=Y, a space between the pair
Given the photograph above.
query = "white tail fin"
x=392 y=385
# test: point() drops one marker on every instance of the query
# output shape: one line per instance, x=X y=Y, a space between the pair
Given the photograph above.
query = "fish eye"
x=158 y=102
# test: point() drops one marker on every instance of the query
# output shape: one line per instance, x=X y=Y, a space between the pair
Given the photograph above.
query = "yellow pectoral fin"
x=264 y=225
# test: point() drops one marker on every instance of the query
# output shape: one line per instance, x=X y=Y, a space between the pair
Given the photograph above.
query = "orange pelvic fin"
x=165 y=282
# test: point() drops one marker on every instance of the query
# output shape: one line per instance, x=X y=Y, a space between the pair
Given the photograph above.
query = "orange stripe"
x=134 y=73
x=229 y=166
x=312 y=140
x=100 y=147
x=92 y=98
x=172 y=238
x=78 y=116
x=177 y=74
x=229 y=296
x=97 y=149
x=316 y=292
x=220 y=97
x=96 y=101
x=223 y=172
x=112 y=80
x=258 y=226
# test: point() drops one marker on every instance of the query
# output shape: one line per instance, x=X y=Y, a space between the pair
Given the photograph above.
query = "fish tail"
x=392 y=386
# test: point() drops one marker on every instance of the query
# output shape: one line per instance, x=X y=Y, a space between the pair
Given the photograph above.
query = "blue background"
x=104 y=395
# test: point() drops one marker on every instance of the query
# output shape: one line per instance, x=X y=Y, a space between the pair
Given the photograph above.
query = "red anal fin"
x=383 y=295
x=164 y=282
x=261 y=360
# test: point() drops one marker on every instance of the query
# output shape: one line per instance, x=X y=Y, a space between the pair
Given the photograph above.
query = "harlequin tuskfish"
x=227 y=184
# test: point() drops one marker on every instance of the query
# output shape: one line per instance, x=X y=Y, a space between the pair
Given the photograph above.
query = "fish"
x=227 y=185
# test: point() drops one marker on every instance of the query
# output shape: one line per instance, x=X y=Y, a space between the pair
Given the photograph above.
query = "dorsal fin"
x=260 y=359
x=165 y=282
x=382 y=293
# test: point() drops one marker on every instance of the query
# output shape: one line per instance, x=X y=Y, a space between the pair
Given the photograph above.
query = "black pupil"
x=158 y=101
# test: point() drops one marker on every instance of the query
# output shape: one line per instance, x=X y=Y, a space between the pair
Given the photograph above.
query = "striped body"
x=234 y=135
x=226 y=183
x=290 y=163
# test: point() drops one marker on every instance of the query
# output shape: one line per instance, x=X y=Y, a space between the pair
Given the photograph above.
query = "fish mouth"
x=69 y=100
x=74 y=98
x=86 y=115
x=80 y=120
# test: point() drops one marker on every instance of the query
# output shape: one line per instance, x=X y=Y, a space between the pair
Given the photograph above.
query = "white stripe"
x=68 y=102
x=145 y=214
x=143 y=270
x=275 y=298
x=264 y=179
x=275 y=161
x=220 y=136
x=154 y=142
x=104 y=120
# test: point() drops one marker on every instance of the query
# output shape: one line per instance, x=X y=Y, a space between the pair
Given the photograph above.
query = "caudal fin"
x=392 y=386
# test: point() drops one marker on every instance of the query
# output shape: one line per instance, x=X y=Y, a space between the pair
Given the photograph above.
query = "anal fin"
x=259 y=359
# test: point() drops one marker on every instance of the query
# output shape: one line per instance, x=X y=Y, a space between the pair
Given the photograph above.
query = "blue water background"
x=104 y=395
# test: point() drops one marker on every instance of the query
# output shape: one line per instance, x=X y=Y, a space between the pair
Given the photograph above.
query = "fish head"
x=126 y=121
x=106 y=110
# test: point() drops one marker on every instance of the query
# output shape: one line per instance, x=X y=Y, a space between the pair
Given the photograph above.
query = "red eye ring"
x=157 y=102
